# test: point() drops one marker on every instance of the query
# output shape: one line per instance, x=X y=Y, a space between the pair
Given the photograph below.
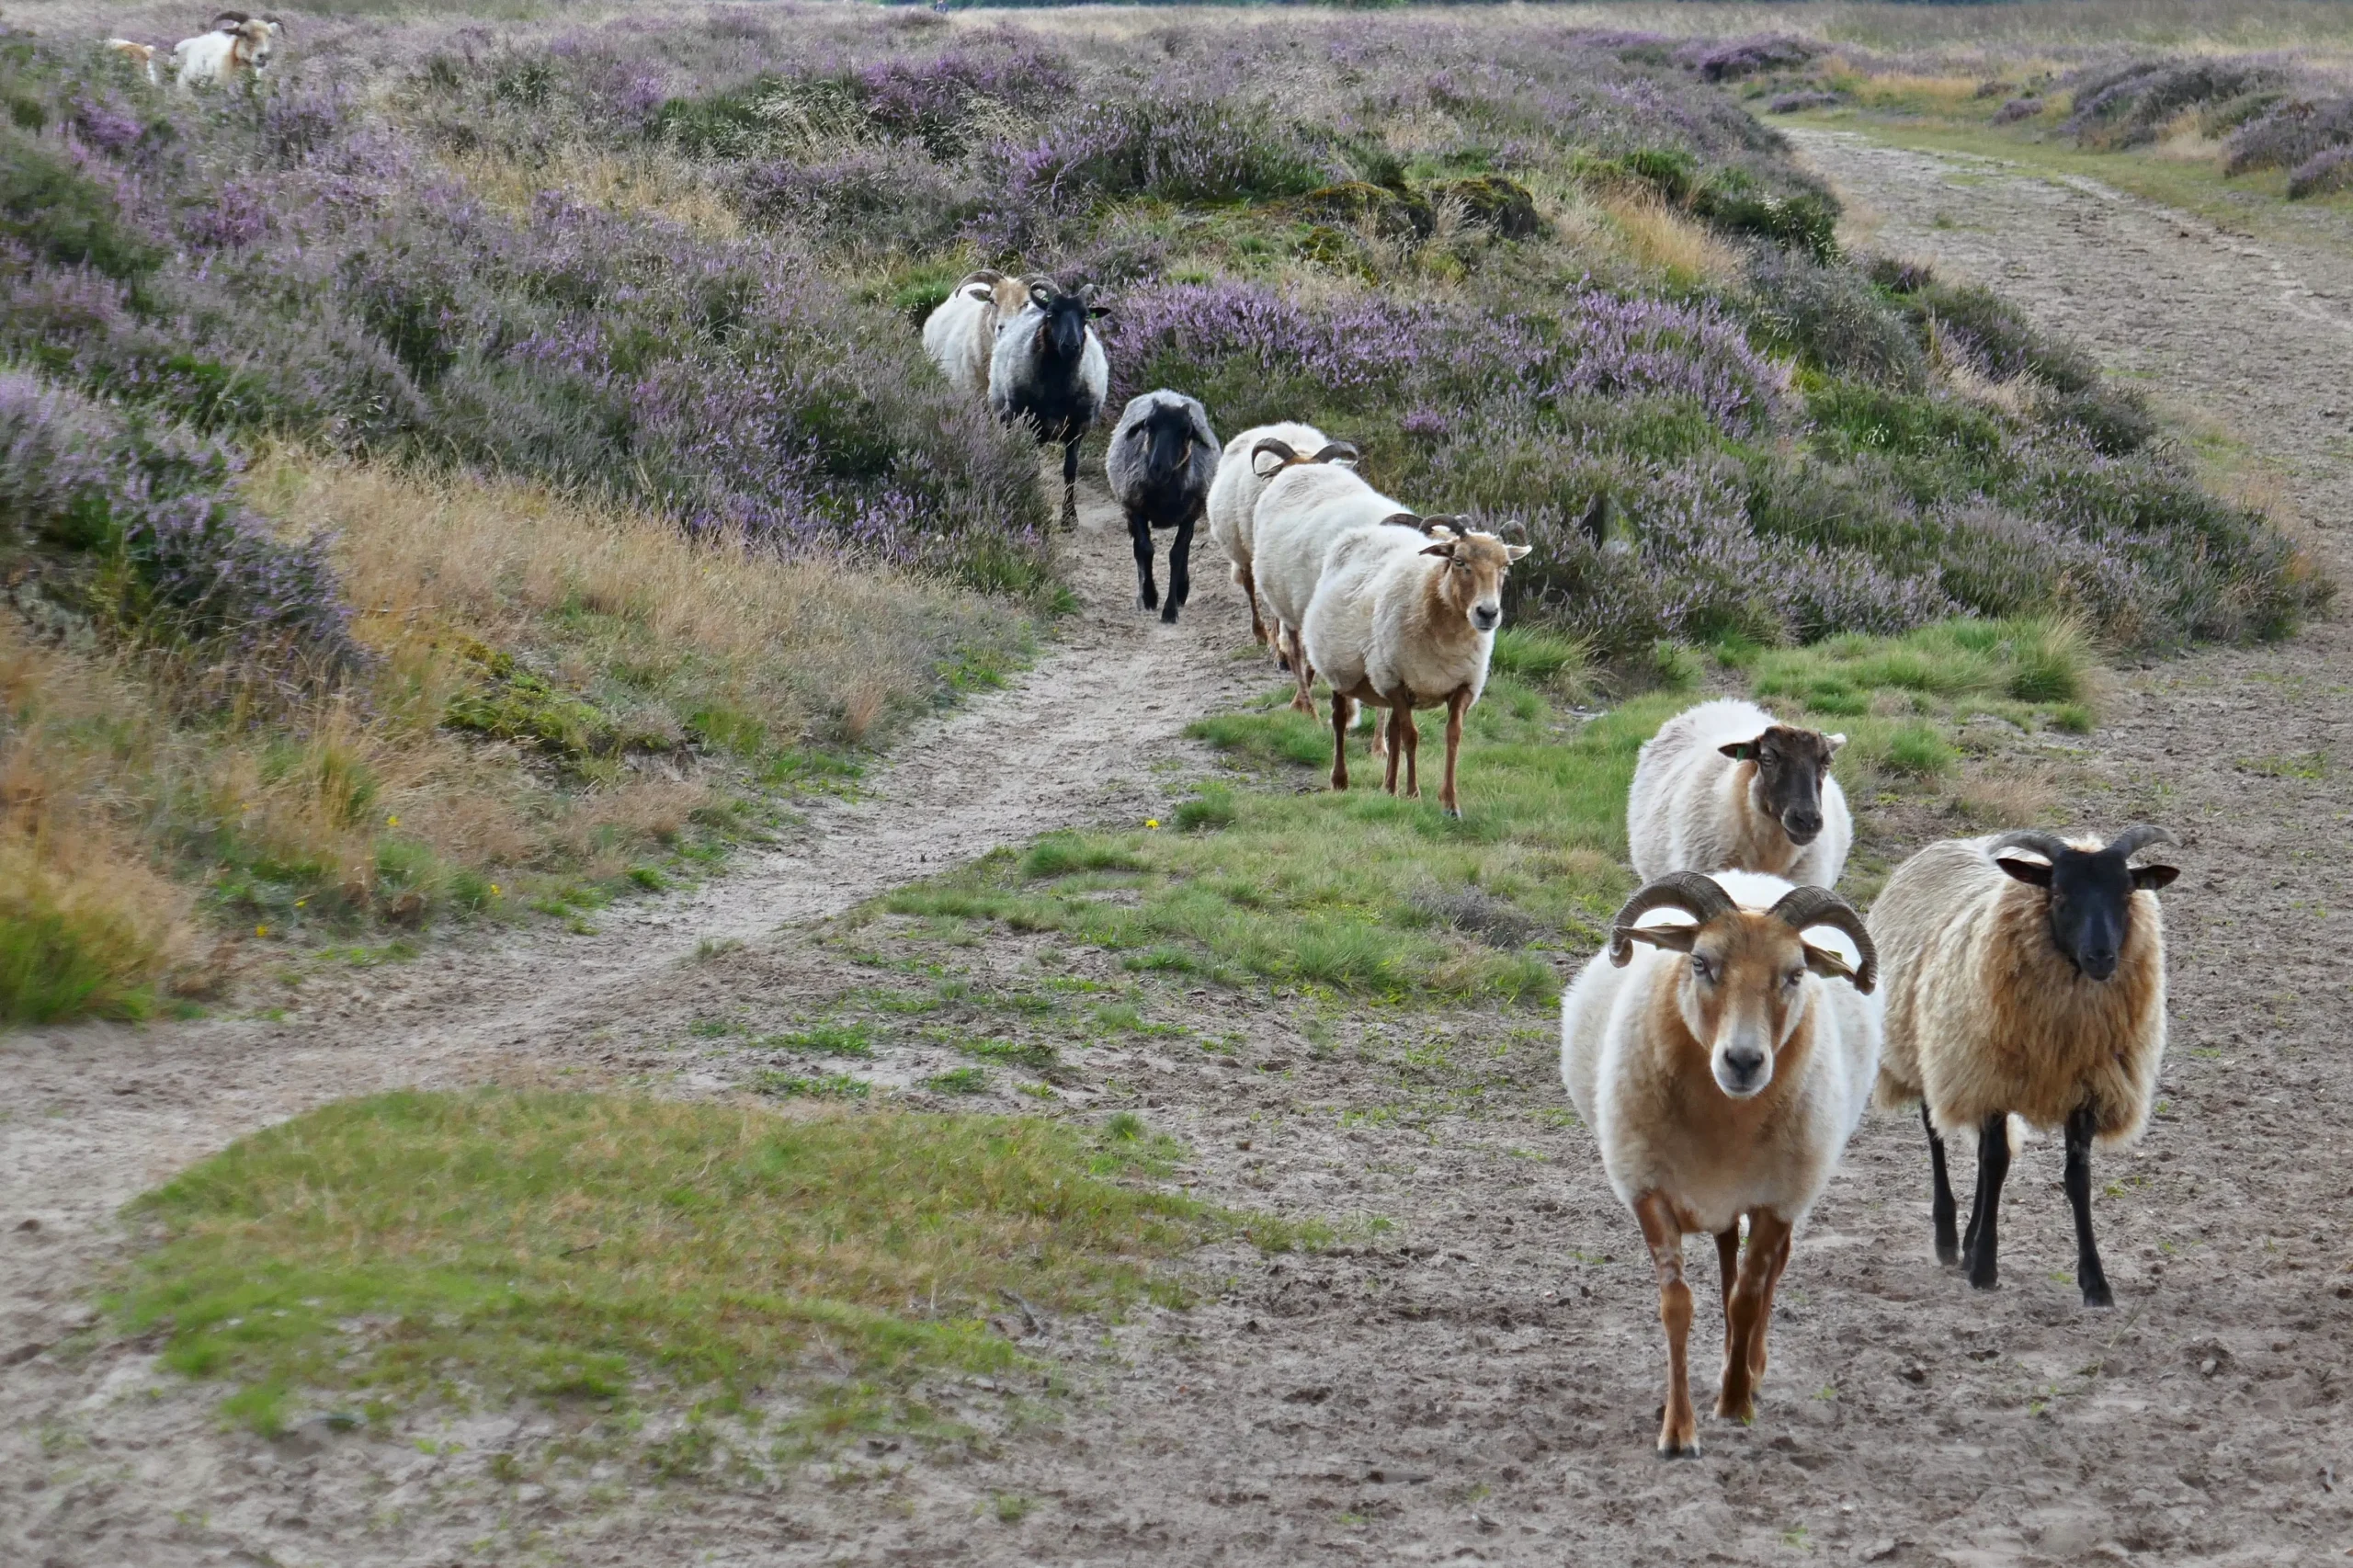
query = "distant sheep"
x=1403 y=620
x=142 y=57
x=1233 y=502
x=236 y=45
x=2026 y=987
x=1722 y=1070
x=1162 y=463
x=960 y=335
x=1048 y=372
x=1727 y=785
x=1307 y=505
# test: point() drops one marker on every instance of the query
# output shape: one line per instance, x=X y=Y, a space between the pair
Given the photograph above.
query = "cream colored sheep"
x=237 y=45
x=1727 y=785
x=142 y=57
x=2026 y=986
x=1722 y=1084
x=1306 y=508
x=1403 y=620
x=960 y=333
x=1242 y=479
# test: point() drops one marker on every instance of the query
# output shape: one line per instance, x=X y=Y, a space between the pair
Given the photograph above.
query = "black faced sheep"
x=1048 y=372
x=1162 y=462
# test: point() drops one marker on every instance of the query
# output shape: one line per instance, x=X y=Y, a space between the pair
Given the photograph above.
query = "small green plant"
x=825 y=1039
x=959 y=1080
x=1011 y=1508
x=832 y=1086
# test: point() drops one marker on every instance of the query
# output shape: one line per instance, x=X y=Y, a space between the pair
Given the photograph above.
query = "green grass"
x=1371 y=893
x=61 y=958
x=605 y=1247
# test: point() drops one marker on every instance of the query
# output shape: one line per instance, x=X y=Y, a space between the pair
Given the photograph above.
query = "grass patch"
x=826 y=1039
x=603 y=1247
x=1374 y=894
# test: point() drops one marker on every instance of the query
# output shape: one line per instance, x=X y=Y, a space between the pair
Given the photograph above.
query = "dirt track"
x=1480 y=1383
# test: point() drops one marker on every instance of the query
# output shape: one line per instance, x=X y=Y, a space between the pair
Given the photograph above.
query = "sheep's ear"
x=1834 y=743
x=1517 y=551
x=1098 y=311
x=1675 y=938
x=2149 y=879
x=1739 y=751
x=1444 y=547
x=981 y=292
x=1826 y=963
x=2032 y=872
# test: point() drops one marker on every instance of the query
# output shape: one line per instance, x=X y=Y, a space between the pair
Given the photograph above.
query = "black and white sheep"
x=1161 y=463
x=1727 y=785
x=1048 y=372
x=2027 y=987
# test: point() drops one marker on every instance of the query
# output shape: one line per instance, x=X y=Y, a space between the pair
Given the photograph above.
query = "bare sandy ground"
x=1479 y=1382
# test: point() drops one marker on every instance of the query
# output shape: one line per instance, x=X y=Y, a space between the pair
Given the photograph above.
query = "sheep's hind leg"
x=1678 y=1432
x=1993 y=1167
x=1396 y=719
x=1303 y=699
x=1140 y=535
x=1247 y=581
x=1344 y=713
x=1458 y=703
x=1180 y=571
x=1070 y=483
x=1728 y=1265
x=1942 y=1209
x=1749 y=1312
x=2089 y=1276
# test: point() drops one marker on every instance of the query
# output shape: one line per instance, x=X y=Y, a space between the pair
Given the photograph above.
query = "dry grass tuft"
x=653 y=182
x=1655 y=236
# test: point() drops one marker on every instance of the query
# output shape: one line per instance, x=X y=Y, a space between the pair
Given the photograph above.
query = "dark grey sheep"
x=1161 y=460
x=1048 y=372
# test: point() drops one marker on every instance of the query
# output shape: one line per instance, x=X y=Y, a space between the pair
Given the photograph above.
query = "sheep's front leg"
x=1993 y=1166
x=2089 y=1276
x=1678 y=1432
x=1410 y=733
x=1344 y=713
x=1180 y=574
x=1941 y=1206
x=1140 y=535
x=1458 y=703
x=1728 y=1266
x=1747 y=1312
x=1070 y=482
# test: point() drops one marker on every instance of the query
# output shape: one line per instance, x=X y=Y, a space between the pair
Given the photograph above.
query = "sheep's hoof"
x=1168 y=615
x=1147 y=601
x=1282 y=665
x=1673 y=1448
x=1742 y=1411
x=2099 y=1295
x=1454 y=812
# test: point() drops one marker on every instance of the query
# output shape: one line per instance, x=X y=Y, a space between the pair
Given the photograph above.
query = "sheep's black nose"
x=1802 y=825
x=1743 y=1065
x=2099 y=962
x=1485 y=618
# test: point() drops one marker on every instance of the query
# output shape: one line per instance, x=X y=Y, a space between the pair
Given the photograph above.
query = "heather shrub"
x=2294 y=131
x=1831 y=317
x=164 y=549
x=2127 y=105
x=1730 y=60
x=2015 y=109
x=2323 y=174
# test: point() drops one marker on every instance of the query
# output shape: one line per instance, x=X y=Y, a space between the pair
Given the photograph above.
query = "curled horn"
x=1403 y=520
x=2137 y=837
x=1802 y=907
x=1699 y=896
x=1272 y=446
x=1337 y=452
x=2050 y=845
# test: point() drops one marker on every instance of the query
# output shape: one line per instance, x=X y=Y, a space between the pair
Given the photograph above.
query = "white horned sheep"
x=1162 y=464
x=1048 y=371
x=1727 y=785
x=1402 y=620
x=1722 y=1070
x=2033 y=988
x=1309 y=503
x=235 y=45
x=142 y=56
x=1242 y=479
x=960 y=335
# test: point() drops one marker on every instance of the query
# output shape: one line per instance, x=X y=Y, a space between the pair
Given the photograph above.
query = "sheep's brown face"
x=1474 y=580
x=1791 y=766
x=1742 y=995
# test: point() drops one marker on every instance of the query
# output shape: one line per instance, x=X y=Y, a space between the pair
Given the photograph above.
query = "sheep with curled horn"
x=1249 y=463
x=1722 y=1063
x=235 y=45
x=2025 y=976
x=960 y=335
x=1161 y=465
x=1048 y=372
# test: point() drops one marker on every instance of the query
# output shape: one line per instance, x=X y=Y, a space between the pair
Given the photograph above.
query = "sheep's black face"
x=1789 y=768
x=1063 y=331
x=1167 y=439
x=2091 y=902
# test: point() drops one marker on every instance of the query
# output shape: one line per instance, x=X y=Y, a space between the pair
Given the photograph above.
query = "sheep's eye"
x=1700 y=967
x=1791 y=978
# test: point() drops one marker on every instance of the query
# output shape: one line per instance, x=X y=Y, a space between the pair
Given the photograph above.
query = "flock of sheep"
x=235 y=46
x=1726 y=1041
x=1724 y=1053
x=1396 y=610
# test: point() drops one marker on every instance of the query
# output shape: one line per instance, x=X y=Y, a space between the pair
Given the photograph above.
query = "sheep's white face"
x=1474 y=583
x=1742 y=994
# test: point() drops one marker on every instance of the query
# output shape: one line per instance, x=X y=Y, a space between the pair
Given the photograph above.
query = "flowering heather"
x=2328 y=170
x=2294 y=132
x=1732 y=60
x=173 y=550
x=2128 y=104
